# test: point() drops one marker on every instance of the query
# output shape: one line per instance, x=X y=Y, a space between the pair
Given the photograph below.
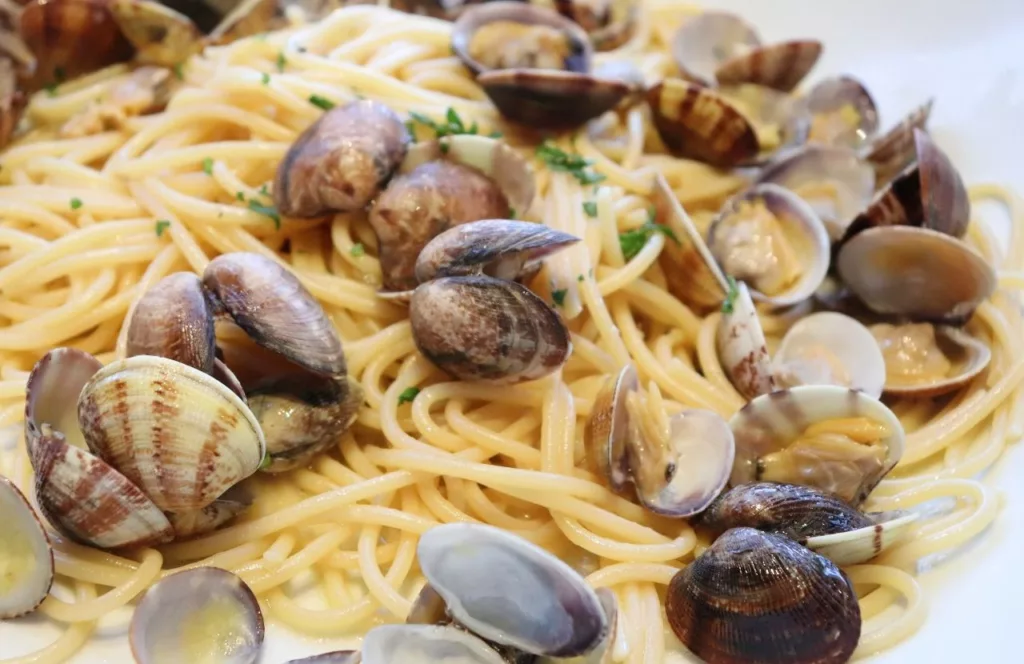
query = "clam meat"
x=26 y=559
x=922 y=360
x=843 y=113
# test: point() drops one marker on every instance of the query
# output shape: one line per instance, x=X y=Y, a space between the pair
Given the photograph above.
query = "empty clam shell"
x=276 y=311
x=342 y=161
x=828 y=348
x=930 y=193
x=832 y=438
x=173 y=320
x=742 y=348
x=537 y=603
x=843 y=113
x=481 y=328
x=607 y=428
x=759 y=597
x=211 y=517
x=177 y=433
x=160 y=35
x=27 y=557
x=552 y=99
x=835 y=182
x=923 y=361
x=497 y=247
x=915 y=272
x=425 y=644
x=769 y=237
x=690 y=269
x=893 y=151
x=204 y=614
x=707 y=40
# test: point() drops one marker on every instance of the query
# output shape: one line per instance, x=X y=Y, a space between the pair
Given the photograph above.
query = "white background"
x=969 y=54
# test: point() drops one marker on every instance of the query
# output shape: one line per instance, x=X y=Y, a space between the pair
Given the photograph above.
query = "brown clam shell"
x=697 y=123
x=12 y=102
x=892 y=152
x=173 y=320
x=341 y=162
x=759 y=597
x=778 y=66
x=487 y=329
x=428 y=608
x=275 y=310
x=199 y=522
x=551 y=99
x=607 y=429
x=160 y=35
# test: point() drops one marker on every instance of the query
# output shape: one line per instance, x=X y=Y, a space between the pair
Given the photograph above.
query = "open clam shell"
x=28 y=559
x=691 y=271
x=778 y=66
x=780 y=121
x=607 y=429
x=428 y=608
x=160 y=35
x=499 y=248
x=915 y=272
x=860 y=546
x=175 y=432
x=769 y=237
x=707 y=40
x=211 y=517
x=174 y=320
x=742 y=348
x=926 y=362
x=893 y=151
x=425 y=644
x=832 y=438
x=843 y=113
x=52 y=391
x=829 y=348
x=204 y=614
x=552 y=99
x=835 y=182
x=537 y=603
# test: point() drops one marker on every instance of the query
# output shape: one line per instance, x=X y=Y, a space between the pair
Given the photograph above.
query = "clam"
x=741 y=345
x=717 y=47
x=759 y=597
x=922 y=360
x=727 y=127
x=341 y=162
x=498 y=247
x=174 y=320
x=690 y=270
x=204 y=614
x=336 y=657
x=428 y=608
x=537 y=604
x=843 y=113
x=607 y=429
x=442 y=184
x=604 y=653
x=12 y=102
x=534 y=64
x=26 y=559
x=829 y=348
x=915 y=272
x=770 y=238
x=145 y=90
x=608 y=23
x=835 y=182
x=890 y=153
x=817 y=519
x=832 y=438
x=425 y=644
x=487 y=329
x=211 y=517
x=930 y=193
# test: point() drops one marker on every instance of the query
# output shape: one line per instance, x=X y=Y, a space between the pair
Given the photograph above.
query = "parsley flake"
x=560 y=160
x=729 y=305
x=281 y=61
x=263 y=190
x=267 y=460
x=558 y=296
x=265 y=78
x=407 y=395
x=179 y=71
x=240 y=195
x=321 y=102
x=452 y=126
x=161 y=226
x=511 y=213
x=357 y=250
x=633 y=241
x=579 y=277
x=208 y=165
x=590 y=207
x=76 y=203
x=267 y=211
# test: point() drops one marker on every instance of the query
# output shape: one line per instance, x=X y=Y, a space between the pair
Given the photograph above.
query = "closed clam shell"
x=552 y=99
x=758 y=597
x=915 y=272
x=890 y=153
x=425 y=644
x=160 y=35
x=481 y=328
x=778 y=66
x=843 y=111
x=28 y=558
x=275 y=310
x=537 y=603
x=741 y=345
x=707 y=40
x=173 y=320
x=607 y=428
x=177 y=433
x=203 y=614
x=771 y=422
x=497 y=247
x=342 y=161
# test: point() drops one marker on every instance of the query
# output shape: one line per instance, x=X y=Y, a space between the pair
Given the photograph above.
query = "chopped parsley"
x=208 y=165
x=265 y=78
x=76 y=203
x=579 y=277
x=410 y=126
x=240 y=195
x=729 y=305
x=511 y=213
x=266 y=461
x=321 y=102
x=452 y=126
x=161 y=226
x=407 y=395
x=357 y=250
x=51 y=89
x=267 y=211
x=633 y=241
x=263 y=189
x=559 y=160
x=179 y=71
x=559 y=296
x=281 y=61
x=590 y=207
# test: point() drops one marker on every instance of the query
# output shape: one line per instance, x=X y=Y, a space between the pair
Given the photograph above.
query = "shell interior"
x=843 y=113
x=859 y=546
x=780 y=122
x=607 y=428
x=537 y=603
x=967 y=356
x=425 y=644
x=705 y=41
x=605 y=652
x=196 y=614
x=741 y=345
x=52 y=392
x=26 y=559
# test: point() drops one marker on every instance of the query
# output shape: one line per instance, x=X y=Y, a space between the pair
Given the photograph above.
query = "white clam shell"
x=704 y=42
x=26 y=559
x=859 y=546
x=425 y=644
x=177 y=433
x=801 y=356
x=968 y=355
x=608 y=428
x=604 y=653
x=742 y=348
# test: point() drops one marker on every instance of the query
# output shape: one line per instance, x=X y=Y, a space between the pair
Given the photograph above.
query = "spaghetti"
x=90 y=223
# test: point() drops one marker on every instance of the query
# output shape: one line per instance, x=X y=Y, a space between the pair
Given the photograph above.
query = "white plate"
x=970 y=57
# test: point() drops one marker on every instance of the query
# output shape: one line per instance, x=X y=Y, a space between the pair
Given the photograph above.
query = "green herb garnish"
x=579 y=277
x=407 y=395
x=281 y=61
x=729 y=305
x=410 y=126
x=511 y=213
x=590 y=207
x=321 y=102
x=263 y=190
x=208 y=165
x=452 y=126
x=76 y=203
x=560 y=160
x=265 y=78
x=240 y=195
x=266 y=462
x=633 y=241
x=161 y=226
x=357 y=250
x=558 y=296
x=179 y=71
x=267 y=211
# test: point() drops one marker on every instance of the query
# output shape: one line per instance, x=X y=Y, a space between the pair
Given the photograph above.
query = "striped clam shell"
x=28 y=558
x=174 y=320
x=778 y=66
x=177 y=433
x=894 y=150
